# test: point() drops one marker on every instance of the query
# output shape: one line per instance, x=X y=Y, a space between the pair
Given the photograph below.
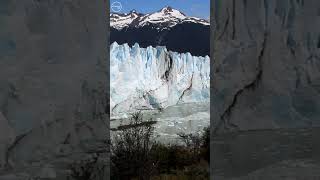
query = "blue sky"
x=197 y=8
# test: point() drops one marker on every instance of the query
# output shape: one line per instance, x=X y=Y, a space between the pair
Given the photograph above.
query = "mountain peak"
x=166 y=18
x=134 y=14
x=167 y=9
x=133 y=11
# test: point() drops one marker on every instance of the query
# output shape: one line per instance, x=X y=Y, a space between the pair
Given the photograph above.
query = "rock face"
x=266 y=64
x=53 y=86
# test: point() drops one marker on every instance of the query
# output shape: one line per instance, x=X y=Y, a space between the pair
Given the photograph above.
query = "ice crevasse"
x=155 y=78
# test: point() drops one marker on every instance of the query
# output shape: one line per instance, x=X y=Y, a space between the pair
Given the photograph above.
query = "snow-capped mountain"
x=166 y=27
x=165 y=18
x=119 y=21
x=155 y=78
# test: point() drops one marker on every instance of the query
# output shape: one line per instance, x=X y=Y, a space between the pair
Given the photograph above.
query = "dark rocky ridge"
x=182 y=38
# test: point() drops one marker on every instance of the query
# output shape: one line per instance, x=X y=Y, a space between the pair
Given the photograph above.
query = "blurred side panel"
x=53 y=89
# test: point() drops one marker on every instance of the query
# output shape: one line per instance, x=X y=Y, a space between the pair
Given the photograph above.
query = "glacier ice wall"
x=155 y=78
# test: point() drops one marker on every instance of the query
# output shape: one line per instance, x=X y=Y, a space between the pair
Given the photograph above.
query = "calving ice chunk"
x=155 y=78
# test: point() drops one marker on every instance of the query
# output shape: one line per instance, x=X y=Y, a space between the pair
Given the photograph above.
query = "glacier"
x=154 y=78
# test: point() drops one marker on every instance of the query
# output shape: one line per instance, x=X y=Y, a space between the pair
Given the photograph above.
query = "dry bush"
x=135 y=155
x=131 y=149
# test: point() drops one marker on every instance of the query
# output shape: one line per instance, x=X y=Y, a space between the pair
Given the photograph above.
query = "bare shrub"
x=198 y=144
x=135 y=155
x=193 y=143
x=131 y=149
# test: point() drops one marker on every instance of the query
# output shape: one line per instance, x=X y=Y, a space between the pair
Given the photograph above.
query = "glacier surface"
x=155 y=78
